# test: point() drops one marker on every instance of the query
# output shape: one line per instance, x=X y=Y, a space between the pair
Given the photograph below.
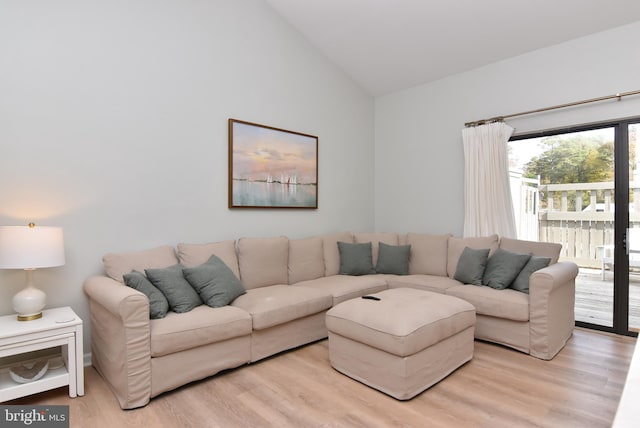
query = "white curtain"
x=488 y=204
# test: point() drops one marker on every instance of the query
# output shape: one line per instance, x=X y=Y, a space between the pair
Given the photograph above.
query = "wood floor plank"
x=500 y=387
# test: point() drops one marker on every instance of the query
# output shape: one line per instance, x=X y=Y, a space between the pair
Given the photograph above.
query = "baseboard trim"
x=86 y=359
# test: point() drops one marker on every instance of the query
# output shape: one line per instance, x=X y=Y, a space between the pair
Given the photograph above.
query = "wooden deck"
x=594 y=298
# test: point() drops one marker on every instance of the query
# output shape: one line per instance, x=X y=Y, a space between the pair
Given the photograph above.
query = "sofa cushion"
x=192 y=255
x=278 y=304
x=158 y=305
x=402 y=239
x=508 y=304
x=215 y=283
x=306 y=259
x=344 y=287
x=393 y=259
x=428 y=254
x=541 y=249
x=432 y=283
x=201 y=326
x=457 y=245
x=117 y=265
x=535 y=263
x=503 y=267
x=263 y=261
x=471 y=266
x=331 y=253
x=375 y=238
x=179 y=293
x=355 y=259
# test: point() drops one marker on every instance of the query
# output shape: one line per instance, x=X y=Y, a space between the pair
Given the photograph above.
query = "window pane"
x=563 y=191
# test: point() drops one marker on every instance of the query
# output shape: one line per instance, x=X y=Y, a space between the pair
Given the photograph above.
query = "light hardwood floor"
x=500 y=387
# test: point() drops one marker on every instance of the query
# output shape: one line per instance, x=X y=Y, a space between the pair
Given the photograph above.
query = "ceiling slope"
x=389 y=45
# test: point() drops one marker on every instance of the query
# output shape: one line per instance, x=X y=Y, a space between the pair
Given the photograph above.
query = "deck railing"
x=580 y=216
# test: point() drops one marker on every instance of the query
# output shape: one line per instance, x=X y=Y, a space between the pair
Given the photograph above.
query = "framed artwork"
x=271 y=167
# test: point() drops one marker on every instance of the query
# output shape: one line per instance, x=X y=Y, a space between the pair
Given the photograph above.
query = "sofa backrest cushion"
x=306 y=259
x=331 y=253
x=540 y=249
x=117 y=265
x=428 y=254
x=457 y=245
x=375 y=238
x=192 y=255
x=263 y=261
x=402 y=238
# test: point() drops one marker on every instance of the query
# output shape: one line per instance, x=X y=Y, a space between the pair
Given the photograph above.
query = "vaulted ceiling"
x=389 y=45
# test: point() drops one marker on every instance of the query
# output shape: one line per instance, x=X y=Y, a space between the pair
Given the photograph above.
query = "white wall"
x=419 y=161
x=113 y=125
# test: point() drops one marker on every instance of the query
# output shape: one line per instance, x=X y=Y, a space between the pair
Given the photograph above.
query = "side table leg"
x=79 y=360
x=71 y=367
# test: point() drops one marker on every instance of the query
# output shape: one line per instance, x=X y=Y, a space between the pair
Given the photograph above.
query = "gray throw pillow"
x=471 y=266
x=158 y=305
x=216 y=284
x=503 y=267
x=521 y=283
x=179 y=293
x=355 y=259
x=393 y=259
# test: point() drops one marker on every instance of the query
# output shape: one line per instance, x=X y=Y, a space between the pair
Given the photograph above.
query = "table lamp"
x=30 y=247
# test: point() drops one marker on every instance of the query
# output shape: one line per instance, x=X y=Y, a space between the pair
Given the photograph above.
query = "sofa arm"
x=551 y=308
x=120 y=339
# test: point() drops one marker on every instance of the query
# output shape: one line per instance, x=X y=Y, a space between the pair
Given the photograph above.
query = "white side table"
x=57 y=327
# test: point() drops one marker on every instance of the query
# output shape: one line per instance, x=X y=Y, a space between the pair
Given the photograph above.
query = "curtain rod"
x=618 y=96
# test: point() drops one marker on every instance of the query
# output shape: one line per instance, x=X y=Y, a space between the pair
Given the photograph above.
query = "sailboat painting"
x=271 y=167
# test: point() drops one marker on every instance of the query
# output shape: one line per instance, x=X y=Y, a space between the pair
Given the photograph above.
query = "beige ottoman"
x=403 y=343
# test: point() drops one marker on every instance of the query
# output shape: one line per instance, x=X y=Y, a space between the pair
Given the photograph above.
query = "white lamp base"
x=30 y=301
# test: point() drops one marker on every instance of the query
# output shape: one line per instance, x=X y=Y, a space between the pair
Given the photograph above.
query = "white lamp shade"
x=26 y=247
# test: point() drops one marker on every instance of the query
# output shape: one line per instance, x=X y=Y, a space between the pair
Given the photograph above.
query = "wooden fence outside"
x=582 y=230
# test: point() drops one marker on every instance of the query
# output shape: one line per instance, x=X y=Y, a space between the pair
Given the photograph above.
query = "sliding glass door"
x=578 y=187
x=632 y=244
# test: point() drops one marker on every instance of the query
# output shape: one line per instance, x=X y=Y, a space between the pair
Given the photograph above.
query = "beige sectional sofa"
x=290 y=284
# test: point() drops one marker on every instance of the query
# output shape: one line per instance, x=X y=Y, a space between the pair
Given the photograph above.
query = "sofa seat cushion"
x=345 y=287
x=278 y=304
x=507 y=304
x=433 y=283
x=201 y=326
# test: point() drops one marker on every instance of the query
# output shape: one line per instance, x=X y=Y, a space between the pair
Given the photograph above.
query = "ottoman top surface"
x=404 y=320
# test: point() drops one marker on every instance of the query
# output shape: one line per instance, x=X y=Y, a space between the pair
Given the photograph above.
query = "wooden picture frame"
x=271 y=167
